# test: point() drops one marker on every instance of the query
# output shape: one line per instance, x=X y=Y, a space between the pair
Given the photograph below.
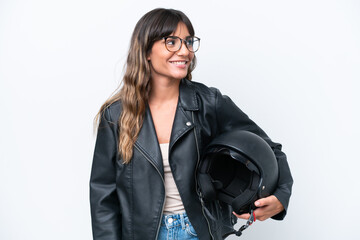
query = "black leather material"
x=127 y=199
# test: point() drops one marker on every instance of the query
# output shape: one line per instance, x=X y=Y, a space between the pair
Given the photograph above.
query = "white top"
x=173 y=203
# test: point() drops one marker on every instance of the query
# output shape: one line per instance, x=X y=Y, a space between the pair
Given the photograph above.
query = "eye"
x=170 y=42
x=189 y=41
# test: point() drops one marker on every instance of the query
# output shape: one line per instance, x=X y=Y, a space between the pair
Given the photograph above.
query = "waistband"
x=174 y=220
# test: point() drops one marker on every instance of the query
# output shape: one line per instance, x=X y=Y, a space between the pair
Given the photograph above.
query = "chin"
x=180 y=76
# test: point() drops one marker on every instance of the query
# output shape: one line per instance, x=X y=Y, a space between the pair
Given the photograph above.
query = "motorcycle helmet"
x=237 y=168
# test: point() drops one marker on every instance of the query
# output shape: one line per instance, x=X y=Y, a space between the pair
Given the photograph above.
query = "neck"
x=164 y=91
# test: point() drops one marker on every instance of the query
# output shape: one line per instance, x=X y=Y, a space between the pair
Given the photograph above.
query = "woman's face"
x=170 y=65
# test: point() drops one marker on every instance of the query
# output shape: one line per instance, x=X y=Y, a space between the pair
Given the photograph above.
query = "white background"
x=292 y=66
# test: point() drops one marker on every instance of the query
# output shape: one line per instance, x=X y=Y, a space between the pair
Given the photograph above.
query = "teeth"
x=179 y=63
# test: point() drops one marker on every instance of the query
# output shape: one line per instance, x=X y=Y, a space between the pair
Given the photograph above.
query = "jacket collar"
x=187 y=98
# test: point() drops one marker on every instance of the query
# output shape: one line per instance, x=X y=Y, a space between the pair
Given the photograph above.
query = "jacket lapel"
x=148 y=143
x=147 y=140
x=187 y=103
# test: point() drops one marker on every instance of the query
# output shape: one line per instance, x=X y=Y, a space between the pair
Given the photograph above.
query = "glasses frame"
x=181 y=43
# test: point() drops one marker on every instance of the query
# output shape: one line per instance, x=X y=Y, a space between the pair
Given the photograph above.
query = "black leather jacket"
x=127 y=200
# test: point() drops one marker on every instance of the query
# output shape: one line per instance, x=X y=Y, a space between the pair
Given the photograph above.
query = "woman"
x=150 y=137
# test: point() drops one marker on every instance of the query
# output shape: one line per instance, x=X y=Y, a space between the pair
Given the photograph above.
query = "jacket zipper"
x=163 y=205
x=196 y=183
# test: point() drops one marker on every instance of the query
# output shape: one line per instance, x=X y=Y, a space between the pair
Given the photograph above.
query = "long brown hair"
x=135 y=88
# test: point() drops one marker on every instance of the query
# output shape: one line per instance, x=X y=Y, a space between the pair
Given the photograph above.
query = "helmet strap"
x=250 y=221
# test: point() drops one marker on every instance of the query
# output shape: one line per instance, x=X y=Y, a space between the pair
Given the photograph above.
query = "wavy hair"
x=133 y=92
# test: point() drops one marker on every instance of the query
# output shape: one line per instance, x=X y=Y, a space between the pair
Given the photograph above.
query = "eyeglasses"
x=173 y=43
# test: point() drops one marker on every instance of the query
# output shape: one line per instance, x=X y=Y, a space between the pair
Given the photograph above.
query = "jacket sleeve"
x=230 y=117
x=105 y=211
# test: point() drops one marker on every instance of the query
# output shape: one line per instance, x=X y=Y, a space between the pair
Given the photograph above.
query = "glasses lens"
x=172 y=43
x=193 y=43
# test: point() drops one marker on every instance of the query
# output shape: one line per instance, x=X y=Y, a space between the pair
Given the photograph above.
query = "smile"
x=179 y=62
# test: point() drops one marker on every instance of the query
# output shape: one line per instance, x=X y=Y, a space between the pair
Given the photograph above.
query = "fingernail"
x=257 y=203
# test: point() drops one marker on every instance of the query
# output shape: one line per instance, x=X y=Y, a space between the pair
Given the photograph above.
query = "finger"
x=258 y=203
x=264 y=201
x=272 y=208
x=242 y=216
x=261 y=214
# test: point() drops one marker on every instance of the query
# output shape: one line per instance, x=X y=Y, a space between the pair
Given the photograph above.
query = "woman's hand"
x=267 y=207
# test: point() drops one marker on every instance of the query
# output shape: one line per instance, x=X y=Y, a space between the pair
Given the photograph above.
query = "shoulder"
x=202 y=90
x=112 y=112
